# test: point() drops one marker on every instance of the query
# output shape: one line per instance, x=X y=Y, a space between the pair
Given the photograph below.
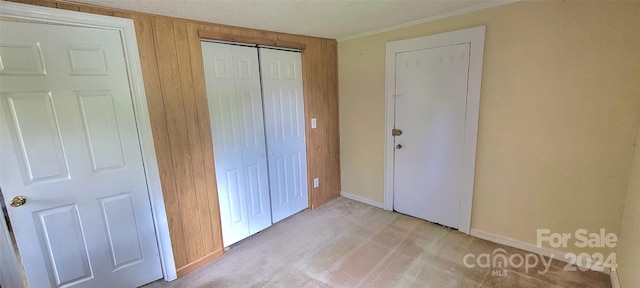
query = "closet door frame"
x=301 y=46
x=255 y=96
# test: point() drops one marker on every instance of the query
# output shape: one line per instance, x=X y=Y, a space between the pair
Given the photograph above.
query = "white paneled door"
x=69 y=145
x=430 y=109
x=285 y=131
x=257 y=122
x=235 y=109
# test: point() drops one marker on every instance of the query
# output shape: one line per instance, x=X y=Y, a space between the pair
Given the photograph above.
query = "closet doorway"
x=256 y=109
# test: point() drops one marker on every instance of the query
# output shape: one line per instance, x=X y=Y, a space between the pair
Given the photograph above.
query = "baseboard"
x=361 y=199
x=198 y=263
x=526 y=246
x=615 y=281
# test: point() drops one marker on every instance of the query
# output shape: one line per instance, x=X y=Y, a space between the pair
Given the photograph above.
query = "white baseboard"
x=361 y=199
x=615 y=281
x=526 y=246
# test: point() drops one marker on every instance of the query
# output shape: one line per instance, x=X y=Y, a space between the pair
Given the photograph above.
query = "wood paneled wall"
x=173 y=72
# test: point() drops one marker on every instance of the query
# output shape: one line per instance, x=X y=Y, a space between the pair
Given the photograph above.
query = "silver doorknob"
x=18 y=201
x=399 y=146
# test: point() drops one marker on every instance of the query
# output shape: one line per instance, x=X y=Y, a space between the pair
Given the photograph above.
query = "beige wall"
x=559 y=108
x=628 y=251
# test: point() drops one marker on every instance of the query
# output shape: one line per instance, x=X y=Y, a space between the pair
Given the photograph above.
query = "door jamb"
x=127 y=32
x=9 y=275
x=475 y=37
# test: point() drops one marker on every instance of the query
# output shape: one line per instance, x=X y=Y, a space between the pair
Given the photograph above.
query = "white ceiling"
x=322 y=18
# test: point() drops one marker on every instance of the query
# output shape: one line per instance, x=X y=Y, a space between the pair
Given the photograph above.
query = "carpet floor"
x=345 y=243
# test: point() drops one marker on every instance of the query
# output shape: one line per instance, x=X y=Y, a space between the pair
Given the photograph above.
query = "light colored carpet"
x=345 y=243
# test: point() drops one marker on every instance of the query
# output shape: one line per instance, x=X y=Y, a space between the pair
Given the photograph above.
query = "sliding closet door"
x=235 y=110
x=285 y=130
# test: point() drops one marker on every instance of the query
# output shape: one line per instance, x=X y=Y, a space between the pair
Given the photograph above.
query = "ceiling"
x=322 y=18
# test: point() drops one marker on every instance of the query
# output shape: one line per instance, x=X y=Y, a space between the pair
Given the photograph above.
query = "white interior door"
x=69 y=144
x=285 y=130
x=430 y=103
x=235 y=109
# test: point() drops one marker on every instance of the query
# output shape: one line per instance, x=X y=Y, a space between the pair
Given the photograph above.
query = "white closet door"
x=235 y=110
x=248 y=94
x=285 y=130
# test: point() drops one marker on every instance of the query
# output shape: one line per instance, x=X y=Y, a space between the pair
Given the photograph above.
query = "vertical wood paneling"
x=173 y=72
x=314 y=85
x=325 y=140
x=179 y=138
x=68 y=6
x=146 y=47
x=200 y=98
x=37 y=2
x=31 y=2
x=46 y=3
x=308 y=66
x=94 y=10
x=195 y=140
x=333 y=118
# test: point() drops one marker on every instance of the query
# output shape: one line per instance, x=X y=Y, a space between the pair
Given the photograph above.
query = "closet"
x=256 y=110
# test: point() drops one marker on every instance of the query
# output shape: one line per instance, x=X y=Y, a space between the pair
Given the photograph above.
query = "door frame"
x=10 y=274
x=475 y=38
x=126 y=29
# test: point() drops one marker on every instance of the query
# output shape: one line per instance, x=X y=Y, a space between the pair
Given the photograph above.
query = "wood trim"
x=213 y=35
x=184 y=270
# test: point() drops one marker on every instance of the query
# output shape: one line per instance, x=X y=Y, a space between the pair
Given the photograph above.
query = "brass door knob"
x=18 y=201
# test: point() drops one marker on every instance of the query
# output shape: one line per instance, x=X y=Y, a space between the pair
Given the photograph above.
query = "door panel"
x=284 y=119
x=37 y=136
x=86 y=60
x=67 y=120
x=235 y=105
x=254 y=155
x=21 y=59
x=101 y=130
x=227 y=141
x=65 y=244
x=119 y=219
x=431 y=91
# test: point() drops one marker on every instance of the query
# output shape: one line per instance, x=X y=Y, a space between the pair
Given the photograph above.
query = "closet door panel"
x=285 y=134
x=247 y=87
x=228 y=140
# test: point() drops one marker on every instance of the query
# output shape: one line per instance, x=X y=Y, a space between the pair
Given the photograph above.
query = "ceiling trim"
x=473 y=8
